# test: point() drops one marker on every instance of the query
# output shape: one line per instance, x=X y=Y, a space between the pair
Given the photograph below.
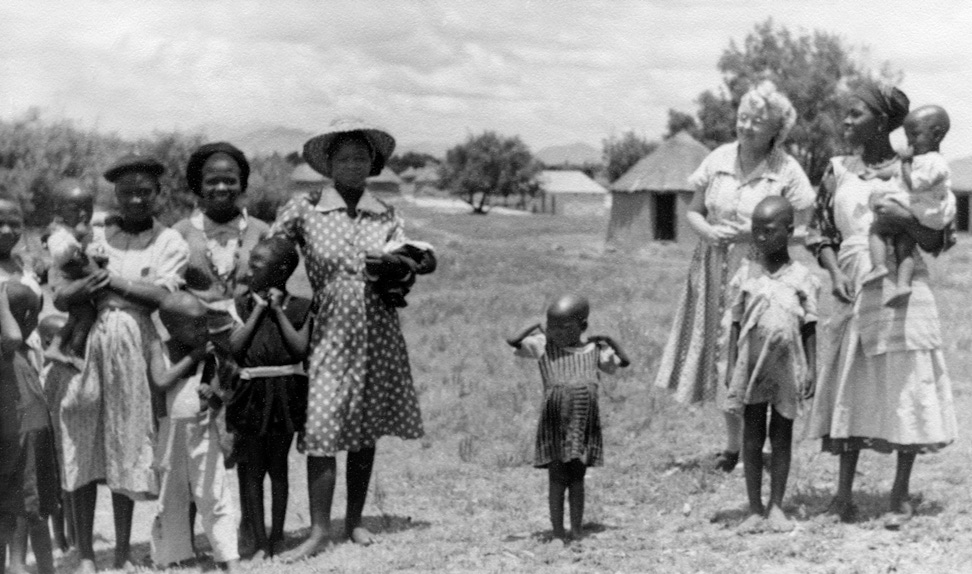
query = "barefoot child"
x=270 y=402
x=569 y=433
x=29 y=481
x=190 y=460
x=772 y=350
x=927 y=178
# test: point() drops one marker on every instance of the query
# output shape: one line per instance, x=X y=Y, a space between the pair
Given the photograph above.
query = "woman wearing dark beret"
x=106 y=412
x=883 y=384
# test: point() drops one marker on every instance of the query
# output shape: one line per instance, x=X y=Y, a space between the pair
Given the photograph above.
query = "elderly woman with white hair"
x=728 y=185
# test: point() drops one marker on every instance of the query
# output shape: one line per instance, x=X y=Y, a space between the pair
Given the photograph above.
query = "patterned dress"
x=883 y=383
x=771 y=309
x=107 y=419
x=694 y=358
x=360 y=386
x=570 y=420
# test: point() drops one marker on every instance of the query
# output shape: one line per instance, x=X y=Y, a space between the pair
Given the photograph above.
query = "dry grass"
x=466 y=499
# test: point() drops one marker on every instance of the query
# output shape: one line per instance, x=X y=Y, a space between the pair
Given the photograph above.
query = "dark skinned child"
x=269 y=404
x=569 y=433
x=29 y=483
x=772 y=356
x=190 y=459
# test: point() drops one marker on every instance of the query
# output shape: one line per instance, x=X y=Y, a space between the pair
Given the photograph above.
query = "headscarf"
x=885 y=100
x=198 y=159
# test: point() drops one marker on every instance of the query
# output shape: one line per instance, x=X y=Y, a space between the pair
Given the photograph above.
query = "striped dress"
x=570 y=422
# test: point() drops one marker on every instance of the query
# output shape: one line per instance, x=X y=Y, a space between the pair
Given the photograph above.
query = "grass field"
x=465 y=498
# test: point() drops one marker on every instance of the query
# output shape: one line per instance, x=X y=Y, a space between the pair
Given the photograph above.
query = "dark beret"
x=134 y=162
x=198 y=159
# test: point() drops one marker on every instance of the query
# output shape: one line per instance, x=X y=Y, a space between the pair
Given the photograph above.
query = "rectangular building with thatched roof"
x=649 y=202
x=962 y=187
x=570 y=192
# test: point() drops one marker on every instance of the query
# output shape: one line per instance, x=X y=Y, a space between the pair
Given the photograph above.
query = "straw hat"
x=315 y=150
x=134 y=162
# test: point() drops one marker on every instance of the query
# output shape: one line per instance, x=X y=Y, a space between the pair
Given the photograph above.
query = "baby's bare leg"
x=879 y=256
x=904 y=251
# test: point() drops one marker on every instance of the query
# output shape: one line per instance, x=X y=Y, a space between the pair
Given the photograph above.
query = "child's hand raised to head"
x=623 y=359
x=276 y=297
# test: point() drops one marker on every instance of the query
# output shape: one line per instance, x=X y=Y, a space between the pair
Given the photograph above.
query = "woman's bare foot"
x=315 y=543
x=86 y=566
x=846 y=510
x=753 y=523
x=231 y=566
x=777 y=521
x=258 y=556
x=361 y=535
x=901 y=512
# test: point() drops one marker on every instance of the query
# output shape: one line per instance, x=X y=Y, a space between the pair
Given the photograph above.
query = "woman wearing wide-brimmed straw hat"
x=360 y=380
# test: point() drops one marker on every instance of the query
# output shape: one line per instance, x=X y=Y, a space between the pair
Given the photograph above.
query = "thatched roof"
x=961 y=174
x=568 y=181
x=665 y=169
x=304 y=173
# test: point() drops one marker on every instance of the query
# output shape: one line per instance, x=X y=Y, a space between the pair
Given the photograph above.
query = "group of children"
x=230 y=392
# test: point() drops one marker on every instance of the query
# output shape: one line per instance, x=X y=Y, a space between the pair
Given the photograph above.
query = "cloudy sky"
x=554 y=72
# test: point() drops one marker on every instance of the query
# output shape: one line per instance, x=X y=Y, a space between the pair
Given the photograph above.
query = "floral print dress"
x=360 y=386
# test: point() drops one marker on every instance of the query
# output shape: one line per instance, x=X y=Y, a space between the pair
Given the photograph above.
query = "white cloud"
x=553 y=72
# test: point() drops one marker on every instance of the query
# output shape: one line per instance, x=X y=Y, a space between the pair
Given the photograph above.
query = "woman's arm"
x=10 y=336
x=243 y=335
x=81 y=290
x=296 y=341
x=893 y=218
x=842 y=285
x=141 y=292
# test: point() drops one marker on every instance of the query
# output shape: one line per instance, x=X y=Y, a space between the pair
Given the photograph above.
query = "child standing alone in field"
x=270 y=403
x=772 y=355
x=569 y=433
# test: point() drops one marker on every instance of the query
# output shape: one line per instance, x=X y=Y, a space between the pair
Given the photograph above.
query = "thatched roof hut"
x=570 y=192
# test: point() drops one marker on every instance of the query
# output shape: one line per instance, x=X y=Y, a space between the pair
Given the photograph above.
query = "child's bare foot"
x=315 y=543
x=86 y=566
x=558 y=534
x=231 y=566
x=777 y=521
x=258 y=556
x=901 y=512
x=844 y=509
x=898 y=297
x=878 y=272
x=362 y=536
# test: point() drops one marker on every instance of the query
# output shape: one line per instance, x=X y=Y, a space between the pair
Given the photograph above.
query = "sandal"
x=726 y=460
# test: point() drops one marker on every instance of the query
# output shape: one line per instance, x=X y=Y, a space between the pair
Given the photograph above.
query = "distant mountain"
x=265 y=141
x=575 y=154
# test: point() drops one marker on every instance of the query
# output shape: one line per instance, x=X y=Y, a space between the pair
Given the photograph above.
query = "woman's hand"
x=892 y=217
x=82 y=290
x=843 y=286
x=726 y=233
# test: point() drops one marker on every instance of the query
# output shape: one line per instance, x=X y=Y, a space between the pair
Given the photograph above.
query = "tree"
x=620 y=153
x=681 y=122
x=399 y=163
x=812 y=69
x=490 y=164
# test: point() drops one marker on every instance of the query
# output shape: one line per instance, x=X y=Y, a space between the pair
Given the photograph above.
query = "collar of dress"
x=331 y=200
x=197 y=220
x=770 y=168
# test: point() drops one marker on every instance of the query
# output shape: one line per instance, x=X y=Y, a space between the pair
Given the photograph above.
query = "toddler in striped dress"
x=569 y=432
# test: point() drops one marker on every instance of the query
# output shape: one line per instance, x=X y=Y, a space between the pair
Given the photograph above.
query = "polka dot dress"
x=360 y=381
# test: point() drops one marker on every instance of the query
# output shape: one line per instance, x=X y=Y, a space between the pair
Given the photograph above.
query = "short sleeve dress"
x=360 y=381
x=882 y=382
x=570 y=417
x=694 y=359
x=107 y=418
x=771 y=309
